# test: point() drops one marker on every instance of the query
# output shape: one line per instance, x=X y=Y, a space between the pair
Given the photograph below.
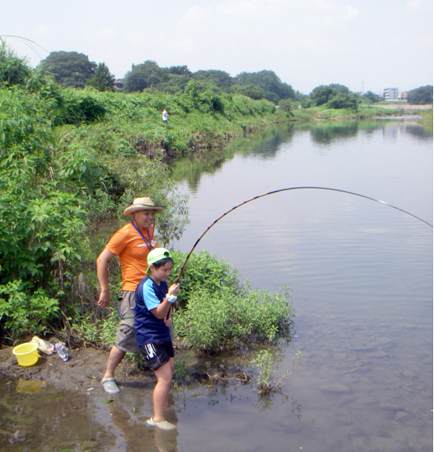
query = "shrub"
x=224 y=320
x=21 y=312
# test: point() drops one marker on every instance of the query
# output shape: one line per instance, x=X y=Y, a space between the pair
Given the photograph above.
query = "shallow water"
x=361 y=280
x=361 y=276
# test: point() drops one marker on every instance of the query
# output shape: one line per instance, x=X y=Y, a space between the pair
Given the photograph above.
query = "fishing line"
x=288 y=189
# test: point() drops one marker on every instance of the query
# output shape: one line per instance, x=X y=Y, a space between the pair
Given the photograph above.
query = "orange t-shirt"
x=132 y=252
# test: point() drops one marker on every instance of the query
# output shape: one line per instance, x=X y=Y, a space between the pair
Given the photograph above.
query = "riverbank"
x=82 y=372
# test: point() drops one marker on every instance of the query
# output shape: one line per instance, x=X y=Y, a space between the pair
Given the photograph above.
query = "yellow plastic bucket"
x=26 y=354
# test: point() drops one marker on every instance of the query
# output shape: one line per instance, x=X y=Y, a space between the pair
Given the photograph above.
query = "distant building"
x=390 y=94
x=119 y=84
x=403 y=96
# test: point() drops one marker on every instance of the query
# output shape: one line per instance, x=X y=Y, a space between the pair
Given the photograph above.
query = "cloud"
x=415 y=4
x=43 y=30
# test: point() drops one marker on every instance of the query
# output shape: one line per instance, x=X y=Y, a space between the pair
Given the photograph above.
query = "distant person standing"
x=165 y=116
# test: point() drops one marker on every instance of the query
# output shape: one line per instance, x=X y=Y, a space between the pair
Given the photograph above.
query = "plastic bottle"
x=43 y=346
x=62 y=351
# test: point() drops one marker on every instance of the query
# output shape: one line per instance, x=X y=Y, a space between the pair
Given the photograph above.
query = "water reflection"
x=325 y=133
x=135 y=436
x=264 y=144
x=267 y=144
x=35 y=417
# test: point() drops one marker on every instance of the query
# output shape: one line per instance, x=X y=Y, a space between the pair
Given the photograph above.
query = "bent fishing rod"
x=289 y=189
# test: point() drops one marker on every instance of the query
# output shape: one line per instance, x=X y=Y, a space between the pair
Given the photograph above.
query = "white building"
x=390 y=93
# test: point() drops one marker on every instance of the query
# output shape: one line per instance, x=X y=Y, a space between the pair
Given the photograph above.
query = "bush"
x=218 y=312
x=224 y=320
x=341 y=101
x=21 y=313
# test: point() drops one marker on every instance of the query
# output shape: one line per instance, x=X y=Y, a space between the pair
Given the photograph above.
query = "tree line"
x=73 y=69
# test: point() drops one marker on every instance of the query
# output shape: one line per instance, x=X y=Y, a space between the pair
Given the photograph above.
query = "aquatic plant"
x=266 y=384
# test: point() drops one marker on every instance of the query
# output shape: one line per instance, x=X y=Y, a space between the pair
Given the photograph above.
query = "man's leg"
x=115 y=357
x=125 y=341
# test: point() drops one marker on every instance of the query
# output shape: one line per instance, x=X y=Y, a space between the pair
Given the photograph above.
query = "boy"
x=153 y=302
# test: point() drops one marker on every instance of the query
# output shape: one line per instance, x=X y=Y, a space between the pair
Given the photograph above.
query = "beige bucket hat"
x=141 y=204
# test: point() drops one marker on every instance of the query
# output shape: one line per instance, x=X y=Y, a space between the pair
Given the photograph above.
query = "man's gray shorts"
x=126 y=336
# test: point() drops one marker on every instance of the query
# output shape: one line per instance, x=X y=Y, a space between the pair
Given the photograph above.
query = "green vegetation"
x=215 y=311
x=69 y=68
x=266 y=384
x=427 y=120
x=333 y=96
x=174 y=79
x=421 y=95
x=71 y=158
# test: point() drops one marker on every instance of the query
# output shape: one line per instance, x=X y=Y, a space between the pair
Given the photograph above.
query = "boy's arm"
x=163 y=308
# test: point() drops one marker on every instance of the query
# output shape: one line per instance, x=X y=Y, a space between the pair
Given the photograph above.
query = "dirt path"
x=401 y=106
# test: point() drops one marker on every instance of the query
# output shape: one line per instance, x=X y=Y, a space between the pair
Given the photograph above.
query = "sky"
x=365 y=45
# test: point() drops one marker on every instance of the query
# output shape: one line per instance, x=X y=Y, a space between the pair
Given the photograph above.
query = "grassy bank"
x=363 y=112
x=70 y=160
x=133 y=122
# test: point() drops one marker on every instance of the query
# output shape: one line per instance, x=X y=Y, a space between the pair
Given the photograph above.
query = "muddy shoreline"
x=81 y=372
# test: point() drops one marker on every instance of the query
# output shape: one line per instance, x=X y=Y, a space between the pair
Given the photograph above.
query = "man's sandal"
x=110 y=386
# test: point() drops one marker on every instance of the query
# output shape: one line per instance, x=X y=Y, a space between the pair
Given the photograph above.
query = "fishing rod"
x=289 y=189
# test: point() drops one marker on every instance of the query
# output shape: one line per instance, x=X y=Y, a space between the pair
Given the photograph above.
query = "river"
x=360 y=275
x=361 y=280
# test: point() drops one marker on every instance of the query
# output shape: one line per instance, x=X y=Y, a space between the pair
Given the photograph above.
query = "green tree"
x=340 y=101
x=340 y=89
x=322 y=94
x=253 y=91
x=13 y=70
x=372 y=97
x=221 y=79
x=179 y=70
x=285 y=105
x=69 y=68
x=269 y=82
x=103 y=80
x=144 y=76
x=421 y=95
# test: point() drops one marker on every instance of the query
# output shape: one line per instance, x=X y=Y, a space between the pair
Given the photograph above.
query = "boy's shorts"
x=157 y=354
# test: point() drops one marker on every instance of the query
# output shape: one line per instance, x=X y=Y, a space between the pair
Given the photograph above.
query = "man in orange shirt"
x=131 y=244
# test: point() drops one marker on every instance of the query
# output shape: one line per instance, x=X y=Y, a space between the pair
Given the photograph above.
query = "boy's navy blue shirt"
x=148 y=296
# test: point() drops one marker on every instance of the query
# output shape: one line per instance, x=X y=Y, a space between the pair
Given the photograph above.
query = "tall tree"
x=220 y=78
x=421 y=95
x=322 y=94
x=269 y=82
x=372 y=97
x=103 y=80
x=13 y=70
x=69 y=68
x=145 y=75
x=340 y=89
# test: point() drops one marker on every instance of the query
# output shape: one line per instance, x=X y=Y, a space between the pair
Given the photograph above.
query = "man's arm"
x=102 y=271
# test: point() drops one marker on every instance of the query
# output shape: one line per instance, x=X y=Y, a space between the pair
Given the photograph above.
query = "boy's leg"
x=161 y=391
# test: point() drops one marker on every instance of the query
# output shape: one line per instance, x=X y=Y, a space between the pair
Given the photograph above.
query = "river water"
x=361 y=280
x=360 y=274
